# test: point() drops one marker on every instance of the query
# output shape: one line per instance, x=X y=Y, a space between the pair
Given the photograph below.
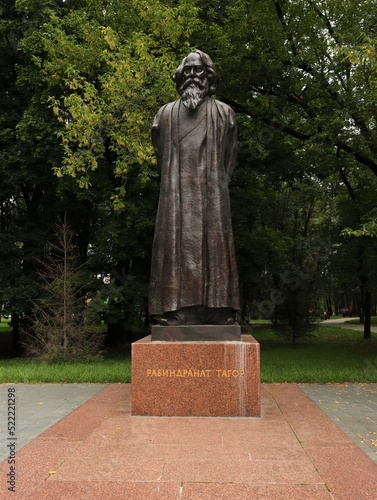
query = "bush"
x=292 y=319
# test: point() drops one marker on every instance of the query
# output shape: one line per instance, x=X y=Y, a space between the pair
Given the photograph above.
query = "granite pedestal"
x=196 y=378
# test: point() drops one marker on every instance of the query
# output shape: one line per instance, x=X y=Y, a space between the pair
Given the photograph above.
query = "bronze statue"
x=194 y=277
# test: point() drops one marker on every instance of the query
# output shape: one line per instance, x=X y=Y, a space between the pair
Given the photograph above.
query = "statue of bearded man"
x=194 y=278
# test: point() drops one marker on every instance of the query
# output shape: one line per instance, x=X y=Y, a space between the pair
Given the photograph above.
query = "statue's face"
x=194 y=85
x=193 y=67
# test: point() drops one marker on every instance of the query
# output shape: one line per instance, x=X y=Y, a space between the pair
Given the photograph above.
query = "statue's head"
x=195 y=78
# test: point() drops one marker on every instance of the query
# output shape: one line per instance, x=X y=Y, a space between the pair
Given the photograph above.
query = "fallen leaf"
x=52 y=472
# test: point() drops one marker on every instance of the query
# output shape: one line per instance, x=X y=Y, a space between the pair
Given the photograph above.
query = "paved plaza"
x=38 y=406
x=99 y=451
x=313 y=441
x=353 y=408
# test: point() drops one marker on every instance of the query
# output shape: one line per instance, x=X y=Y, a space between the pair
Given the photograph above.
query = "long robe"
x=193 y=258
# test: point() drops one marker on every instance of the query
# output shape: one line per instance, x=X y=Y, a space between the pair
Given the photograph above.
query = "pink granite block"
x=113 y=393
x=204 y=379
x=319 y=431
x=348 y=472
x=197 y=452
x=225 y=470
x=87 y=417
x=191 y=431
x=276 y=449
x=201 y=491
x=160 y=430
x=101 y=461
x=34 y=463
x=283 y=471
x=310 y=423
x=285 y=394
x=80 y=424
x=87 y=490
x=257 y=428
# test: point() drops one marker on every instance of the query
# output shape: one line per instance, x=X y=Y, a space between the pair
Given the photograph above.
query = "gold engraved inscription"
x=187 y=373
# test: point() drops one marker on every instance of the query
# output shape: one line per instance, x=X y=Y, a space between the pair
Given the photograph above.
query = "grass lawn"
x=356 y=321
x=332 y=355
x=32 y=371
x=4 y=325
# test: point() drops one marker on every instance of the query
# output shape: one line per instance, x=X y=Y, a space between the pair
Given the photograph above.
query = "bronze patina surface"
x=194 y=277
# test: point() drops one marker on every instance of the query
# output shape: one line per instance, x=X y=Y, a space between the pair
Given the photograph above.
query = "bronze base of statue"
x=196 y=333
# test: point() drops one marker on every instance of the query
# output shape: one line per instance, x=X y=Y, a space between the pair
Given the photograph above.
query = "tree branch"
x=276 y=124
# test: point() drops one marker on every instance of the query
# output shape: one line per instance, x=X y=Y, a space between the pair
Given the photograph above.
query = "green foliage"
x=292 y=319
x=81 y=81
x=28 y=186
x=367 y=229
x=112 y=80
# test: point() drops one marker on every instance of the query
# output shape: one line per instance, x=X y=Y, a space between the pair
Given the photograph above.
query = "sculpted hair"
x=207 y=63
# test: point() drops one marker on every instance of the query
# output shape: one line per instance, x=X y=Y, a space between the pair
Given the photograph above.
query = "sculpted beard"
x=193 y=91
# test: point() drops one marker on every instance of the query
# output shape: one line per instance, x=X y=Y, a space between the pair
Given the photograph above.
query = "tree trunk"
x=329 y=305
x=116 y=316
x=367 y=313
x=15 y=322
x=115 y=331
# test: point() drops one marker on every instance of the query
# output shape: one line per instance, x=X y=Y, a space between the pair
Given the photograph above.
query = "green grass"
x=356 y=321
x=4 y=325
x=29 y=371
x=333 y=355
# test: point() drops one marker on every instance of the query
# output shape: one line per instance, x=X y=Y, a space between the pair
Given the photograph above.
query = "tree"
x=296 y=244
x=360 y=245
x=58 y=331
x=307 y=70
x=300 y=75
x=112 y=77
x=27 y=191
x=108 y=71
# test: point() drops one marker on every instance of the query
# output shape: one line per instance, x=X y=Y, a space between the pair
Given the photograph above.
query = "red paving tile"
x=64 y=490
x=254 y=491
x=100 y=451
x=348 y=475
x=34 y=463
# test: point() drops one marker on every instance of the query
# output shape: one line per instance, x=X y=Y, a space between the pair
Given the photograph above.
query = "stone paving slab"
x=38 y=406
x=345 y=323
x=353 y=408
x=100 y=451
